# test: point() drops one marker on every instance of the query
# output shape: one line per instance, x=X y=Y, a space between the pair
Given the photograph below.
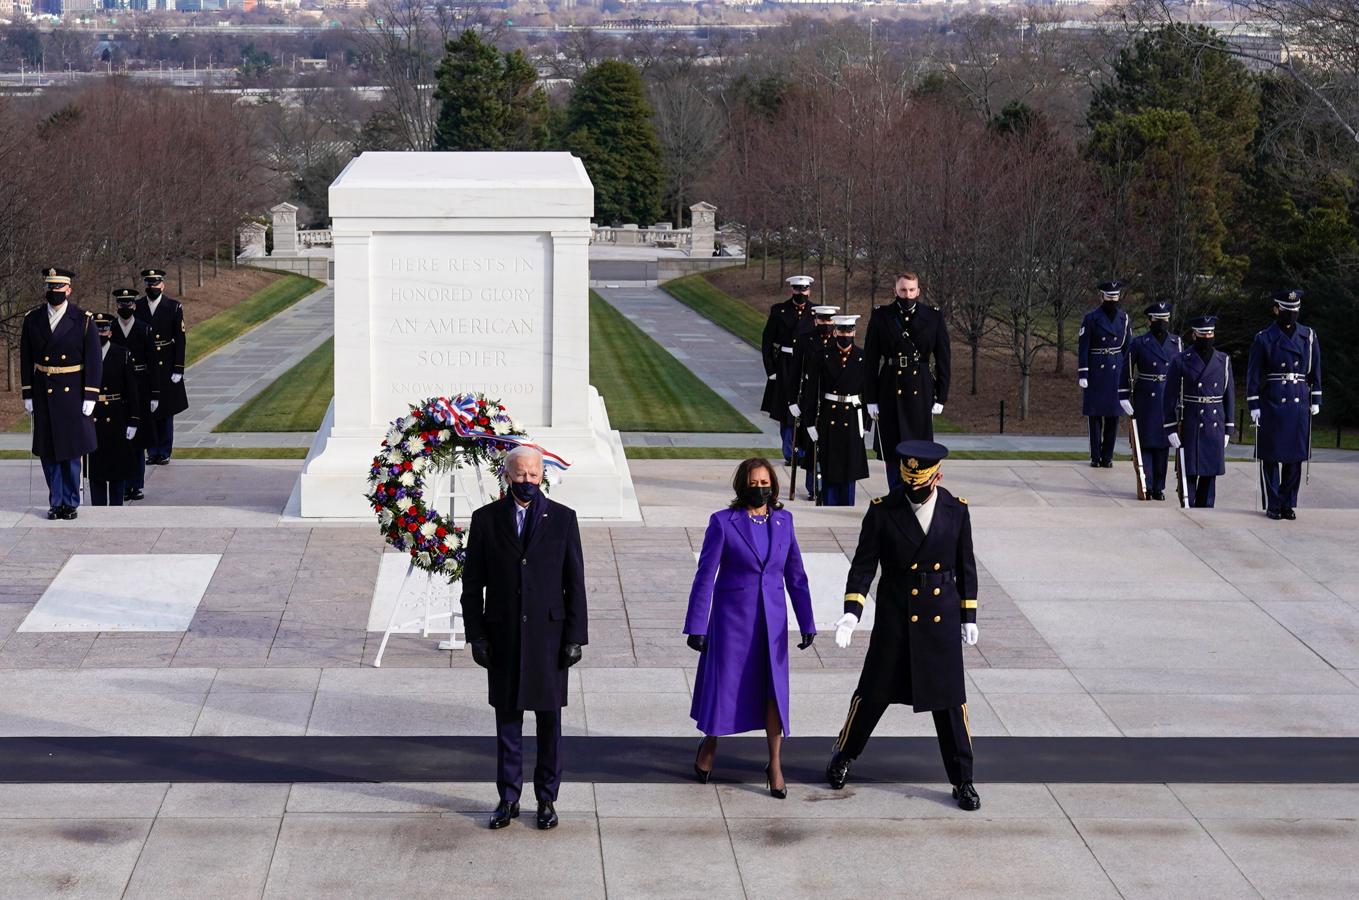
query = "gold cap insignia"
x=51 y=271
x=913 y=463
x=1292 y=295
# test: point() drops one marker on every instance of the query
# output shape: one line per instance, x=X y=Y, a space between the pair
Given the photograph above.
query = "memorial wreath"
x=438 y=435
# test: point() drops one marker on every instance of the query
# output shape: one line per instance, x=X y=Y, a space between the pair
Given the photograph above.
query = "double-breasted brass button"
x=936 y=592
x=914 y=566
x=915 y=618
x=915 y=591
x=936 y=567
x=66 y=389
x=936 y=618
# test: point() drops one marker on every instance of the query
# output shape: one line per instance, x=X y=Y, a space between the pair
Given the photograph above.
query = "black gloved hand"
x=806 y=640
x=481 y=653
x=570 y=655
x=697 y=642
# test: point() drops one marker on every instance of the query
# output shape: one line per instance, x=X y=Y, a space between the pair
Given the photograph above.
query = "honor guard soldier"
x=1283 y=392
x=832 y=396
x=788 y=332
x=164 y=315
x=906 y=350
x=1142 y=393
x=116 y=415
x=60 y=368
x=921 y=536
x=135 y=336
x=1103 y=338
x=811 y=355
x=1199 y=402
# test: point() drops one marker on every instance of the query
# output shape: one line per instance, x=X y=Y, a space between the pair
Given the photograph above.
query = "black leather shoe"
x=1273 y=514
x=134 y=494
x=547 y=816
x=68 y=512
x=837 y=770
x=1158 y=495
x=54 y=513
x=1289 y=514
x=1107 y=464
x=967 y=798
x=1094 y=464
x=159 y=461
x=502 y=815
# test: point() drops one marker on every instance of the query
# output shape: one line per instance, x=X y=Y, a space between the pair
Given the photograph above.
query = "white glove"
x=862 y=430
x=87 y=408
x=1083 y=383
x=1255 y=417
x=970 y=633
x=811 y=432
x=774 y=377
x=1226 y=439
x=1127 y=407
x=131 y=432
x=154 y=404
x=28 y=407
x=1174 y=440
x=795 y=409
x=873 y=410
x=1316 y=408
x=936 y=409
x=844 y=629
x=176 y=378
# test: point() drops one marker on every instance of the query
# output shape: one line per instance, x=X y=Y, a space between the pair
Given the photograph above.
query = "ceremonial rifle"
x=1136 y=442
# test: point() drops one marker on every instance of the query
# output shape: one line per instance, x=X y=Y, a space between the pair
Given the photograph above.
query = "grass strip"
x=295 y=401
x=239 y=318
x=719 y=307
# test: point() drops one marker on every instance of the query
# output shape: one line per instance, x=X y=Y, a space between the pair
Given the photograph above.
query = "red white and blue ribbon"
x=461 y=413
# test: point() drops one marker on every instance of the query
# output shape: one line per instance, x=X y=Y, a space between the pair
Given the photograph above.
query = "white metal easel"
x=435 y=593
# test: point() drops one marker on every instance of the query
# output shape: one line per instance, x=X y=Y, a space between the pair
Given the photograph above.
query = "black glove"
x=697 y=642
x=806 y=640
x=481 y=653
x=570 y=655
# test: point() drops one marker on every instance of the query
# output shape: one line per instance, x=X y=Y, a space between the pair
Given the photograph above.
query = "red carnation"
x=412 y=527
x=440 y=531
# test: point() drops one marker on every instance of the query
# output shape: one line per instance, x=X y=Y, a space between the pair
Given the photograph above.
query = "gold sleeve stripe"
x=969 y=604
x=855 y=598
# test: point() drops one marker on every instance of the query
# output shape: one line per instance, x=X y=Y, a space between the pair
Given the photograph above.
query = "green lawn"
x=236 y=320
x=697 y=293
x=646 y=388
x=296 y=401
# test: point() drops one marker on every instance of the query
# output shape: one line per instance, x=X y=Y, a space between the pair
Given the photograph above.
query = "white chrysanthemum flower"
x=422 y=559
x=414 y=446
x=418 y=464
x=445 y=434
x=404 y=504
x=394 y=456
x=385 y=517
x=407 y=479
x=516 y=426
x=394 y=436
x=428 y=529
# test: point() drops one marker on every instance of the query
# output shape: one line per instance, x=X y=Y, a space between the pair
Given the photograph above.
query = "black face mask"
x=1203 y=345
x=919 y=495
x=1158 y=327
x=755 y=497
x=845 y=340
x=1288 y=318
x=524 y=491
x=103 y=339
x=56 y=298
x=824 y=330
x=153 y=293
x=125 y=312
x=799 y=300
x=1109 y=307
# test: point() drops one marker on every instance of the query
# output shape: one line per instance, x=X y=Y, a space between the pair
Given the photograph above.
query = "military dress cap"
x=1110 y=288
x=103 y=320
x=153 y=274
x=920 y=460
x=124 y=295
x=800 y=281
x=1203 y=324
x=1159 y=310
x=1290 y=300
x=54 y=275
x=824 y=311
x=844 y=321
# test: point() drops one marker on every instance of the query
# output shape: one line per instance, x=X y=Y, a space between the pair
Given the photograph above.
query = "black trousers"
x=950 y=725
x=1202 y=490
x=509 y=746
x=1281 y=483
x=1103 y=433
x=1154 y=462
x=106 y=493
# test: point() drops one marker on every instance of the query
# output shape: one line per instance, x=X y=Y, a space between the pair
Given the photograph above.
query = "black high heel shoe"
x=702 y=774
x=776 y=793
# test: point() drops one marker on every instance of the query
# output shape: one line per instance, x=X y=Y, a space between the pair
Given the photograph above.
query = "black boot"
x=547 y=815
x=1289 y=514
x=837 y=770
x=502 y=815
x=967 y=798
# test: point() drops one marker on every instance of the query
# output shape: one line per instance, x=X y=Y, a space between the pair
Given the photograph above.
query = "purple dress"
x=737 y=601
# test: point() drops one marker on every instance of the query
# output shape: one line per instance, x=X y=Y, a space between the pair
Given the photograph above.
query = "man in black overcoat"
x=789 y=330
x=909 y=364
x=59 y=373
x=134 y=335
x=921 y=535
x=164 y=315
x=113 y=461
x=524 y=610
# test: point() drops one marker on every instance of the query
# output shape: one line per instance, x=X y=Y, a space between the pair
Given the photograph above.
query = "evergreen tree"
x=488 y=100
x=608 y=125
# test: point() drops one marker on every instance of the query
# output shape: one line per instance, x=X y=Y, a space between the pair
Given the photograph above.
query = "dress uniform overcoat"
x=137 y=342
x=1100 y=347
x=832 y=397
x=1146 y=366
x=527 y=600
x=59 y=370
x=167 y=346
x=115 y=459
x=909 y=367
x=927 y=591
x=787 y=336
x=1199 y=402
x=1283 y=380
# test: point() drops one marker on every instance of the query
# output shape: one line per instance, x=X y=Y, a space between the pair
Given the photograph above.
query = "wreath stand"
x=430 y=590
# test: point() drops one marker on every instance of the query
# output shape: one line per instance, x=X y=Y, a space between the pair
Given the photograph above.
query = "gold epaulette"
x=962 y=500
x=88 y=313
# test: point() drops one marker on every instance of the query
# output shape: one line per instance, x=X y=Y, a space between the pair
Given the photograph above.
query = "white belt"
x=1287 y=377
x=783 y=349
x=843 y=398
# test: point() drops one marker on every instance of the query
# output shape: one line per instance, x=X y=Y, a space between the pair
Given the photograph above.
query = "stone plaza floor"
x=1105 y=624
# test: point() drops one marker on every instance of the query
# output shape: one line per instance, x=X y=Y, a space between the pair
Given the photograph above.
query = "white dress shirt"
x=126 y=324
x=924 y=512
x=54 y=314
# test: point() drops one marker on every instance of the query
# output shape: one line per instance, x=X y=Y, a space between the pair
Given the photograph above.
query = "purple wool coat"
x=745 y=663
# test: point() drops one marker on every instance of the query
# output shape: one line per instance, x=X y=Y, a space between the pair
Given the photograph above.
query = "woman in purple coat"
x=738 y=621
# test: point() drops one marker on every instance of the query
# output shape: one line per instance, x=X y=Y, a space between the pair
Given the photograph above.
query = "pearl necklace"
x=758 y=520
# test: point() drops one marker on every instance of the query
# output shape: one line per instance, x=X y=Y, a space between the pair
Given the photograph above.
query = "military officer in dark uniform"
x=135 y=336
x=811 y=353
x=116 y=414
x=1283 y=392
x=164 y=315
x=921 y=536
x=1199 y=401
x=1142 y=393
x=1103 y=338
x=832 y=395
x=60 y=368
x=789 y=330
x=907 y=354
